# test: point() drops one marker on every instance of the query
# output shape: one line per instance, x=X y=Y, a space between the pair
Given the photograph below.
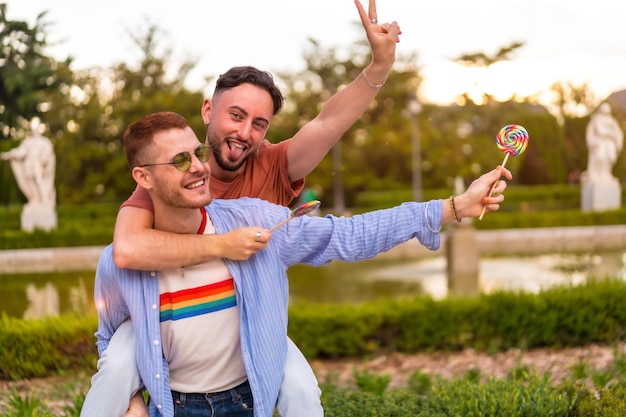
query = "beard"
x=214 y=141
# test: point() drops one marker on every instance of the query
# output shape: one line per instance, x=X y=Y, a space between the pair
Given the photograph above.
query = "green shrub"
x=85 y=225
x=420 y=383
x=367 y=382
x=525 y=207
x=497 y=398
x=605 y=403
x=24 y=405
x=39 y=348
x=557 y=317
x=346 y=402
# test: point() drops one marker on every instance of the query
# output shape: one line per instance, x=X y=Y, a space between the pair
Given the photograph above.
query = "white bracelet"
x=426 y=219
x=371 y=84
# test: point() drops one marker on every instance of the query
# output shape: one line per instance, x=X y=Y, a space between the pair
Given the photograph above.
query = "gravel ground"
x=559 y=363
x=59 y=392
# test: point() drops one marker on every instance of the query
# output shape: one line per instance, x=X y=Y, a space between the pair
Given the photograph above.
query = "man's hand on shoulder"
x=242 y=243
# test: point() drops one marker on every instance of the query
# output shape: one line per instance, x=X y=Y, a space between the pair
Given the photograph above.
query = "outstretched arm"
x=137 y=245
x=311 y=143
x=472 y=201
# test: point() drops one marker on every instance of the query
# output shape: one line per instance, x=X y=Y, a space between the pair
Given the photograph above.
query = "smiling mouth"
x=196 y=184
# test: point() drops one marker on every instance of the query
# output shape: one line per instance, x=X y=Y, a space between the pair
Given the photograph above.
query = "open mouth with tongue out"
x=236 y=149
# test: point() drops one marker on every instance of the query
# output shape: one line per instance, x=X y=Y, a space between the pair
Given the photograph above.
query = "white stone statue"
x=600 y=189
x=33 y=163
x=604 y=142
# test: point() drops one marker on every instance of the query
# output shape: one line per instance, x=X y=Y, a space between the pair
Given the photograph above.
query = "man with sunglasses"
x=182 y=160
x=211 y=338
x=244 y=164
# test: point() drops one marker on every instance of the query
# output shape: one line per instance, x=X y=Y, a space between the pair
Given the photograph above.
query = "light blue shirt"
x=261 y=285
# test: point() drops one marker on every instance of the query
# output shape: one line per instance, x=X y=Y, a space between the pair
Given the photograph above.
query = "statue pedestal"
x=600 y=196
x=38 y=217
x=462 y=259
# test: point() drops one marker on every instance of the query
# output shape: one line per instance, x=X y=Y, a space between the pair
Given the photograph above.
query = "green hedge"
x=41 y=348
x=524 y=207
x=558 y=317
x=534 y=397
x=86 y=225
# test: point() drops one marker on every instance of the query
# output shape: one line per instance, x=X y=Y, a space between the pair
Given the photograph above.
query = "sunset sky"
x=570 y=41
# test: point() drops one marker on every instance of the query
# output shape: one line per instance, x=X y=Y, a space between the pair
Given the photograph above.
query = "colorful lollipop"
x=512 y=140
x=301 y=210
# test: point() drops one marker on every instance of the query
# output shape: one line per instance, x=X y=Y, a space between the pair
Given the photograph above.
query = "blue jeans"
x=118 y=379
x=235 y=402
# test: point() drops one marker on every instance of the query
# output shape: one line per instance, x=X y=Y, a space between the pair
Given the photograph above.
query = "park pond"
x=39 y=294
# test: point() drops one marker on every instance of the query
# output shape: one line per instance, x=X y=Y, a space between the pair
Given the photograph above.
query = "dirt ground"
x=559 y=363
x=58 y=392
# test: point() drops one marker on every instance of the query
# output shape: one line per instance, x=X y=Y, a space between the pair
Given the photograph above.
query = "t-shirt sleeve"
x=140 y=198
x=291 y=189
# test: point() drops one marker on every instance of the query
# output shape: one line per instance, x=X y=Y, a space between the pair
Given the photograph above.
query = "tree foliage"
x=27 y=73
x=375 y=151
x=98 y=107
x=86 y=112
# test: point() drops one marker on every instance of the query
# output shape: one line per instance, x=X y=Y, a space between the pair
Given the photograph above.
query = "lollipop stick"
x=281 y=223
x=482 y=213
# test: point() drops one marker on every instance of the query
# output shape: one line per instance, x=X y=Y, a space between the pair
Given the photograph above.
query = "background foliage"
x=86 y=112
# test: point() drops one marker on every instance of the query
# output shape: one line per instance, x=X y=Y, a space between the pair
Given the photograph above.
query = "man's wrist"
x=375 y=75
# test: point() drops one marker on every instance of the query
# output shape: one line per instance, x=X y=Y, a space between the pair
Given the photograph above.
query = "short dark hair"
x=251 y=75
x=139 y=134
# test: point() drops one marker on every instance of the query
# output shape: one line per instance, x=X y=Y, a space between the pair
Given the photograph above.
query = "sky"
x=574 y=41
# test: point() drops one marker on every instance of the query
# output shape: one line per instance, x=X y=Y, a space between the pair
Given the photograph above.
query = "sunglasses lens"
x=182 y=161
x=203 y=152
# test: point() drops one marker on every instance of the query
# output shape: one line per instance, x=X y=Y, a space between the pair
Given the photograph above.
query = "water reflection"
x=42 y=302
x=48 y=294
x=369 y=280
x=40 y=295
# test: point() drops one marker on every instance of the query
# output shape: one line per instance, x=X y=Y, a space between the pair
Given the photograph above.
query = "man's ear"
x=142 y=177
x=207 y=106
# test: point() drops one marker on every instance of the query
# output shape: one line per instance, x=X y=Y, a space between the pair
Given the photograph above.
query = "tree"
x=93 y=107
x=376 y=149
x=141 y=89
x=26 y=73
x=571 y=101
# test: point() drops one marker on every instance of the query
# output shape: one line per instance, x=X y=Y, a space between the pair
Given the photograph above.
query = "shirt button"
x=152 y=273
x=158 y=376
x=159 y=406
x=154 y=306
x=156 y=343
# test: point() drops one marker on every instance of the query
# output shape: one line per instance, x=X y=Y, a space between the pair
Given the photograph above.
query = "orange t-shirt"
x=265 y=176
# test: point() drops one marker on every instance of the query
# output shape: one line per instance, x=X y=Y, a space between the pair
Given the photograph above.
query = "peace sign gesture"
x=382 y=38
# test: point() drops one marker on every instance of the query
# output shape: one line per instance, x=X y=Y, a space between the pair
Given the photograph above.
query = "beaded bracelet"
x=371 y=84
x=454 y=209
x=426 y=219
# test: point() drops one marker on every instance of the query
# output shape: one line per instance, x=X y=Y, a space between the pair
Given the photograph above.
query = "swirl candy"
x=301 y=210
x=306 y=208
x=512 y=139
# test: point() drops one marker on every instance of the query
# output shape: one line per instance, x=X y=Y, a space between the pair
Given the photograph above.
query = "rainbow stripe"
x=194 y=302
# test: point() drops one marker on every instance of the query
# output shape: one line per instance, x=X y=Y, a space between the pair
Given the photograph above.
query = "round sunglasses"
x=182 y=160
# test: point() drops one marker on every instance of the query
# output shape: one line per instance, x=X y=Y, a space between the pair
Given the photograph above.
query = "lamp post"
x=414 y=108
